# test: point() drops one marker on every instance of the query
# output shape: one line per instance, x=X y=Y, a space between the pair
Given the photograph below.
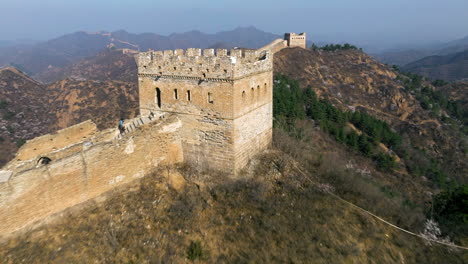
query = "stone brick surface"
x=85 y=170
x=223 y=99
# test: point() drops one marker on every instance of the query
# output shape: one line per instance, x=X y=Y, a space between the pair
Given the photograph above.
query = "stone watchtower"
x=296 y=40
x=223 y=101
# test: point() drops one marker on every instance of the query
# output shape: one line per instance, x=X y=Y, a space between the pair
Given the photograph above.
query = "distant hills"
x=448 y=61
x=107 y=65
x=449 y=67
x=403 y=57
x=68 y=49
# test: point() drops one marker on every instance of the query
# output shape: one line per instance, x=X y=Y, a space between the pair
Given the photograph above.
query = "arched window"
x=189 y=96
x=158 y=97
x=176 y=95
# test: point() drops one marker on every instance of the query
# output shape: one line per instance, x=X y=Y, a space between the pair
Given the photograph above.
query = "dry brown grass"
x=271 y=214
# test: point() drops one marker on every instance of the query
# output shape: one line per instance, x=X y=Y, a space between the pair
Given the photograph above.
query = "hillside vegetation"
x=278 y=209
x=273 y=215
x=29 y=108
x=353 y=81
x=344 y=124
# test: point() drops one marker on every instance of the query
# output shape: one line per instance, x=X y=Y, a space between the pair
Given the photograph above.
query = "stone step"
x=133 y=124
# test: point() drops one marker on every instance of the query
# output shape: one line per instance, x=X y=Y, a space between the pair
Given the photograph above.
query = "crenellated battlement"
x=204 y=64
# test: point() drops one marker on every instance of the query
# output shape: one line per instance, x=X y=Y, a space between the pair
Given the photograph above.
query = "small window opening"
x=158 y=97
x=204 y=76
x=159 y=67
x=190 y=69
x=175 y=68
x=210 y=98
x=243 y=94
x=225 y=71
x=207 y=70
x=176 y=95
x=265 y=88
x=44 y=160
x=189 y=96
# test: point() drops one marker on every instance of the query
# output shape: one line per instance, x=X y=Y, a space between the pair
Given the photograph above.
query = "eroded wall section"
x=84 y=171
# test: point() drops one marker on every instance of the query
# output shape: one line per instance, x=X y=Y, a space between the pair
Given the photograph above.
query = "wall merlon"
x=208 y=52
x=236 y=53
x=221 y=52
x=250 y=55
x=179 y=52
x=193 y=52
x=168 y=53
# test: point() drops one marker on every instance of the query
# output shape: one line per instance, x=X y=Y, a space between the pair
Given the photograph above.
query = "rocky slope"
x=29 y=109
x=354 y=80
x=104 y=102
x=24 y=111
x=457 y=91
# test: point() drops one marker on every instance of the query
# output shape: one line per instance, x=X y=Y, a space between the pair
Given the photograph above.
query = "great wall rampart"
x=217 y=109
x=84 y=169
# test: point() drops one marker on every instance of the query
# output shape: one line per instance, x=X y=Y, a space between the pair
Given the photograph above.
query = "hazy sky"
x=375 y=22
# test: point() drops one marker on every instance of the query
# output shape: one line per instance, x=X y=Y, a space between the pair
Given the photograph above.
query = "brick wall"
x=84 y=171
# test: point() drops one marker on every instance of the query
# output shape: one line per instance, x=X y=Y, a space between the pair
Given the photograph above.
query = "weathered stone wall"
x=252 y=134
x=210 y=92
x=296 y=40
x=276 y=45
x=58 y=140
x=85 y=170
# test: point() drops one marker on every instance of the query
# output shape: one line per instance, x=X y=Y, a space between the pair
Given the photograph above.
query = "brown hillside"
x=29 y=109
x=457 y=91
x=107 y=65
x=354 y=80
x=24 y=111
x=277 y=216
x=104 y=102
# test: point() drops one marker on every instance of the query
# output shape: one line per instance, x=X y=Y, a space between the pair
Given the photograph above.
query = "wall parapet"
x=57 y=140
x=203 y=64
x=83 y=171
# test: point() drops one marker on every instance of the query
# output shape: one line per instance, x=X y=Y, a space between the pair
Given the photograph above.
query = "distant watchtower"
x=296 y=40
x=223 y=99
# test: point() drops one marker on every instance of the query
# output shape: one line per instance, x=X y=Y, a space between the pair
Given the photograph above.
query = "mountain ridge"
x=450 y=67
x=70 y=48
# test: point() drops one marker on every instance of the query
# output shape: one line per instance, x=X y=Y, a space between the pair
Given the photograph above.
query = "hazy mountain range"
x=448 y=61
x=70 y=48
x=43 y=59
x=449 y=67
x=404 y=56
